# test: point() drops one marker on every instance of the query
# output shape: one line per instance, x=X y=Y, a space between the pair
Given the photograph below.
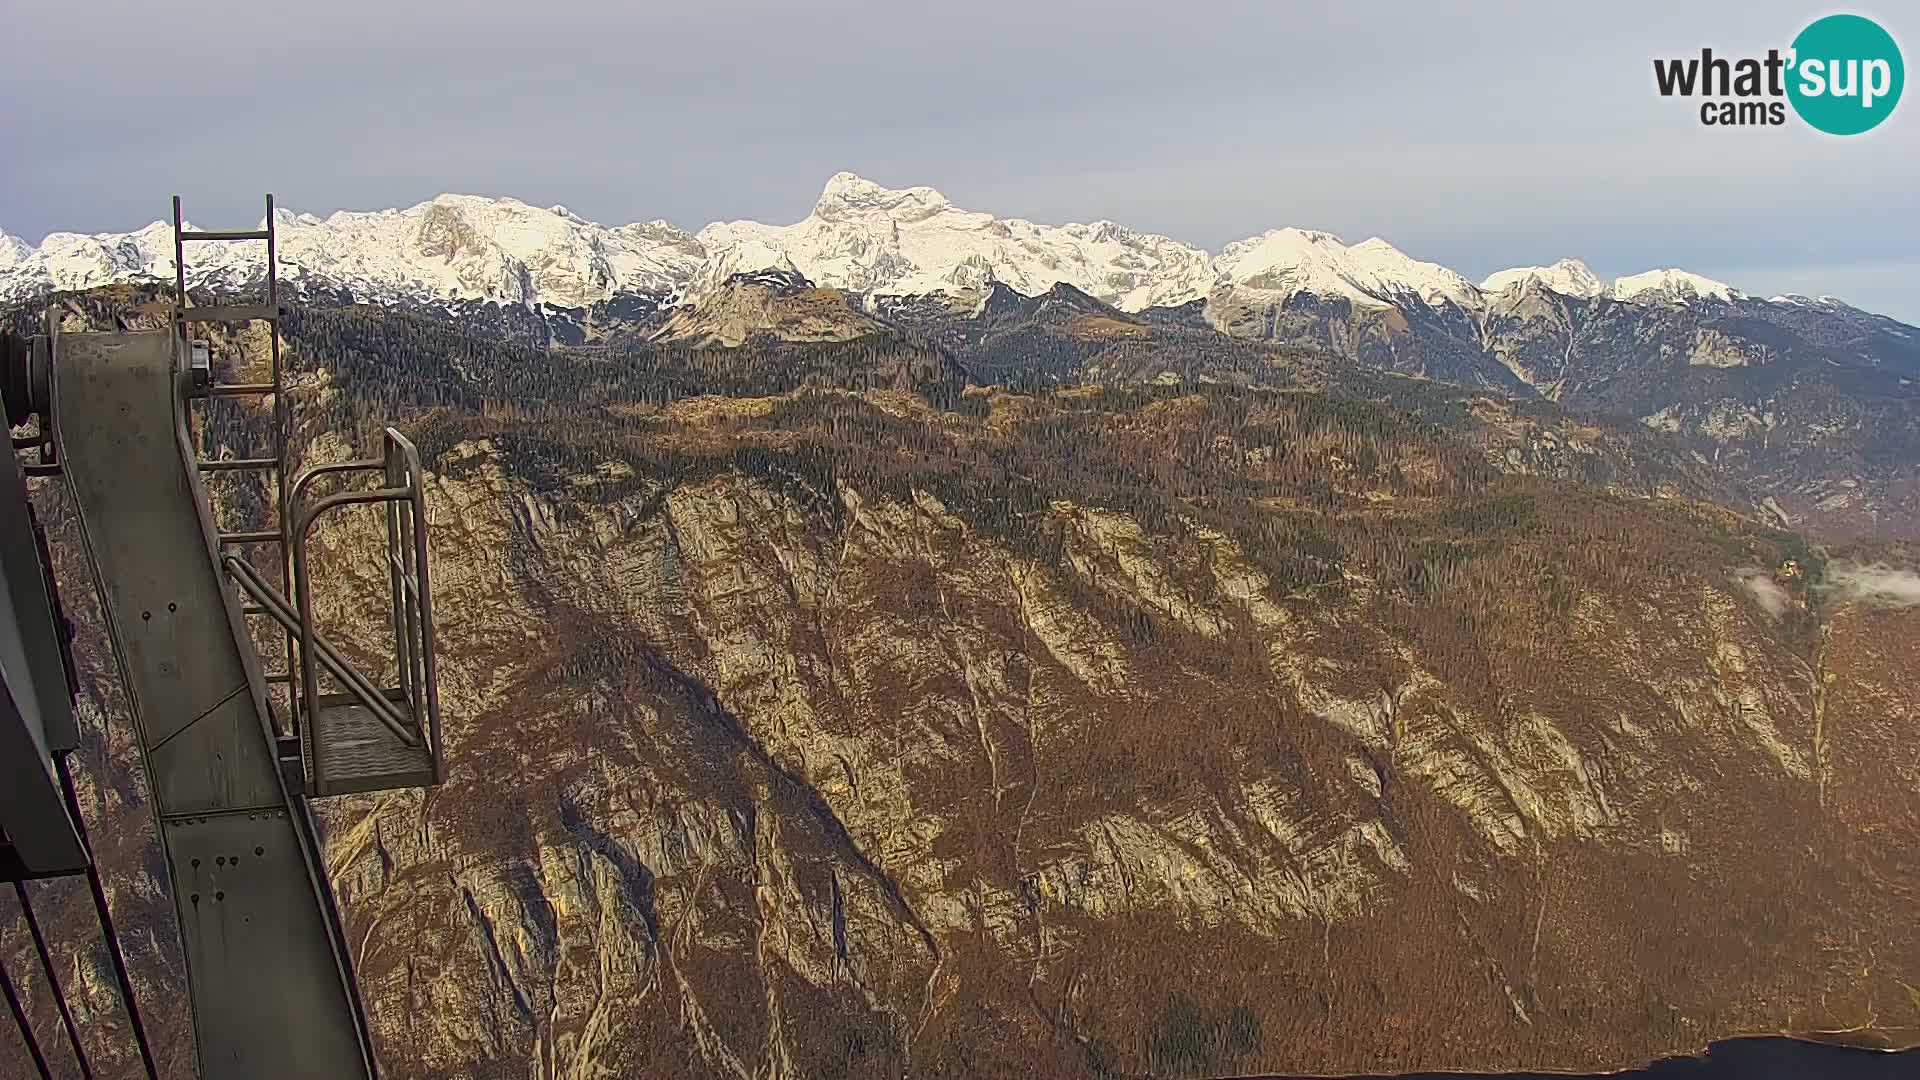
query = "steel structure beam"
x=269 y=974
x=36 y=711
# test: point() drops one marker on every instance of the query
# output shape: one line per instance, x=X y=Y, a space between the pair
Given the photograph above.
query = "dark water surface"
x=1742 y=1059
x=1781 y=1059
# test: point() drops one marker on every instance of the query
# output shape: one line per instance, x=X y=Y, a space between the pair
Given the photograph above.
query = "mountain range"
x=860 y=237
x=1812 y=402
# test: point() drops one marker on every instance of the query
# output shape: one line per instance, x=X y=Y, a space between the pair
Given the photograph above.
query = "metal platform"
x=368 y=734
x=350 y=749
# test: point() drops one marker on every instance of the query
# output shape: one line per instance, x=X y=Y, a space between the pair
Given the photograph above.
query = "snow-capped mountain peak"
x=1395 y=269
x=861 y=237
x=1569 y=277
x=68 y=260
x=1372 y=273
x=478 y=247
x=848 y=195
x=882 y=241
x=448 y=248
x=1671 y=285
x=13 y=251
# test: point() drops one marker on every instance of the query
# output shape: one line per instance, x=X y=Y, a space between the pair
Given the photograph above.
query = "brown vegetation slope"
x=1171 y=731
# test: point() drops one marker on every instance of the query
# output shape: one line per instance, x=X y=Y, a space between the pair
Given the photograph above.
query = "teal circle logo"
x=1845 y=74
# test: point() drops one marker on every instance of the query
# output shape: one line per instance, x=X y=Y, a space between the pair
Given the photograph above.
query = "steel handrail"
x=294 y=496
x=315 y=472
x=401 y=451
x=411 y=598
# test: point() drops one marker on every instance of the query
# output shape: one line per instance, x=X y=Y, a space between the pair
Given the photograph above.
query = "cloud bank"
x=1878 y=585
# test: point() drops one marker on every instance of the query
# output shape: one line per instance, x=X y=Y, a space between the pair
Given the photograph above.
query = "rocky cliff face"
x=782 y=770
x=1136 y=731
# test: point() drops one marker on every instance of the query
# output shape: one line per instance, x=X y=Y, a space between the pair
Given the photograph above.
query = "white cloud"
x=1882 y=586
x=1767 y=592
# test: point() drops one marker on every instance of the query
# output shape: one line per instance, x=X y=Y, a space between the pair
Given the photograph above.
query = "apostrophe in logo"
x=1842 y=75
x=1846 y=74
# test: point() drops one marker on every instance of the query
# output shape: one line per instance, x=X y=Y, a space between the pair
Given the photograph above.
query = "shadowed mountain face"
x=1814 y=403
x=812 y=713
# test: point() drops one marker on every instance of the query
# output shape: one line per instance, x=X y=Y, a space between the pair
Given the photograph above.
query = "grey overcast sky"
x=1480 y=135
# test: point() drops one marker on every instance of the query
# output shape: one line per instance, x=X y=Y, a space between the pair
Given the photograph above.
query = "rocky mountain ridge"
x=1813 y=405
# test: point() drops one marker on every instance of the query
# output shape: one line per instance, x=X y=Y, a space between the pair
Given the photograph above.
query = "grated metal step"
x=239 y=464
x=228 y=234
x=350 y=750
x=230 y=313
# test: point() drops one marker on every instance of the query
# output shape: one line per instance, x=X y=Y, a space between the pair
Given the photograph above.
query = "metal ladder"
x=365 y=737
x=269 y=313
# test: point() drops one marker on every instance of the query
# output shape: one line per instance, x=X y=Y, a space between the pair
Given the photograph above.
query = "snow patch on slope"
x=748 y=257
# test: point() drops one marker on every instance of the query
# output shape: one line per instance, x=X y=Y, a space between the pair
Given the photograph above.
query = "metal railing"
x=403 y=495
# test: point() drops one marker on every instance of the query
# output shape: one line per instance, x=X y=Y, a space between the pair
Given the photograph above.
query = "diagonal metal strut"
x=363 y=691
